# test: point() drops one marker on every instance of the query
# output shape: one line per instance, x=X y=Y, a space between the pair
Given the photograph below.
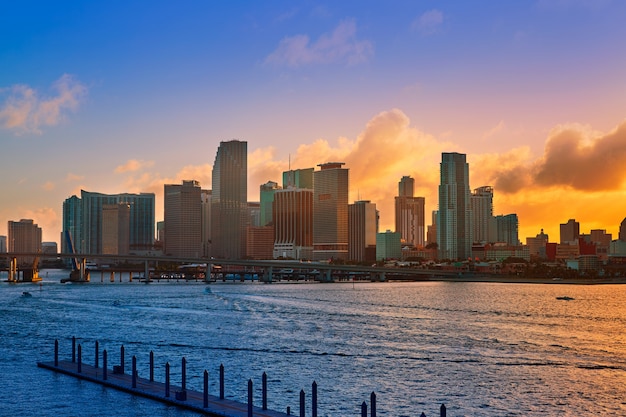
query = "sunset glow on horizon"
x=116 y=98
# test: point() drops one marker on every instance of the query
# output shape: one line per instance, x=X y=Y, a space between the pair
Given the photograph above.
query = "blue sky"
x=124 y=96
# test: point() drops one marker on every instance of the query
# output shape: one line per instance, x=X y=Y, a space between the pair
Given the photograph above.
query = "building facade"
x=482 y=214
x=298 y=178
x=388 y=246
x=229 y=206
x=507 y=229
x=293 y=223
x=454 y=231
x=330 y=212
x=570 y=231
x=24 y=236
x=115 y=229
x=182 y=216
x=266 y=193
x=362 y=230
x=410 y=215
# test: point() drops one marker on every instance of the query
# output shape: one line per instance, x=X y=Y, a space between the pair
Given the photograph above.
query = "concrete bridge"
x=266 y=270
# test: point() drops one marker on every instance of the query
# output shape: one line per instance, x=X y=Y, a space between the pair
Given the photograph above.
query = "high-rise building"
x=298 y=178
x=293 y=223
x=229 y=206
x=362 y=229
x=3 y=244
x=410 y=216
x=482 y=214
x=254 y=214
x=73 y=223
x=141 y=224
x=507 y=229
x=570 y=231
x=24 y=236
x=205 y=197
x=622 y=231
x=260 y=242
x=388 y=246
x=182 y=214
x=267 y=199
x=454 y=231
x=115 y=229
x=330 y=212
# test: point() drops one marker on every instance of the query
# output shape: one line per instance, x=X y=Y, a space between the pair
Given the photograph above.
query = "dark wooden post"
x=288 y=411
x=167 y=379
x=73 y=349
x=104 y=364
x=183 y=384
x=363 y=409
x=314 y=399
x=301 y=403
x=80 y=359
x=221 y=382
x=264 y=397
x=97 y=353
x=206 y=389
x=134 y=370
x=442 y=411
x=151 y=366
x=56 y=352
x=249 y=398
x=122 y=358
x=422 y=415
x=373 y=403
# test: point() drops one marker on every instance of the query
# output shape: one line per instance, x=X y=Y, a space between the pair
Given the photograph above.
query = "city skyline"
x=532 y=92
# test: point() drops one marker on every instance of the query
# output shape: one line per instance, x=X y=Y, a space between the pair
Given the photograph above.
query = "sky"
x=126 y=96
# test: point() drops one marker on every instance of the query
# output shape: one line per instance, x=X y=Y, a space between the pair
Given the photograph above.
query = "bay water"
x=482 y=349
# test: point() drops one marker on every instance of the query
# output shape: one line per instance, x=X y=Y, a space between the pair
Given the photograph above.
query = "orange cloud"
x=133 y=165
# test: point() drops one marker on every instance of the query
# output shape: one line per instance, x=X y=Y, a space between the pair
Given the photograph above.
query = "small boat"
x=26 y=294
x=565 y=297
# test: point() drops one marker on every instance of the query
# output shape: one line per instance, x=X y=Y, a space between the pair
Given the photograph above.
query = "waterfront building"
x=73 y=223
x=254 y=214
x=507 y=229
x=601 y=240
x=3 y=244
x=229 y=205
x=49 y=248
x=141 y=224
x=298 y=178
x=330 y=212
x=24 y=236
x=410 y=216
x=260 y=242
x=431 y=234
x=115 y=229
x=182 y=216
x=205 y=232
x=388 y=245
x=454 y=231
x=362 y=229
x=482 y=214
x=537 y=245
x=266 y=193
x=570 y=231
x=293 y=223
x=622 y=231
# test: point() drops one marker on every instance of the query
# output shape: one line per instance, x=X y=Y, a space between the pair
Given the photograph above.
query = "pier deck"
x=156 y=391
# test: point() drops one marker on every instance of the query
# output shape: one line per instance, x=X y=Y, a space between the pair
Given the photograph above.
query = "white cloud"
x=341 y=45
x=428 y=23
x=24 y=111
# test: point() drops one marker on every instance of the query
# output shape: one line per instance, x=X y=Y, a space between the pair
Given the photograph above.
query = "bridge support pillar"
x=130 y=276
x=112 y=277
x=13 y=274
x=146 y=271
x=328 y=275
x=83 y=268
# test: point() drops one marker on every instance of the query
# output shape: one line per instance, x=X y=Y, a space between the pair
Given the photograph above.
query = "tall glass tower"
x=229 y=203
x=330 y=212
x=454 y=231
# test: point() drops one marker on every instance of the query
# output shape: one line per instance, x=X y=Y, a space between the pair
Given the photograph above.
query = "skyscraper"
x=362 y=229
x=24 y=236
x=570 y=231
x=182 y=214
x=73 y=223
x=293 y=223
x=454 y=231
x=298 y=178
x=229 y=207
x=410 y=216
x=330 y=212
x=266 y=193
x=482 y=214
x=205 y=197
x=115 y=228
x=507 y=229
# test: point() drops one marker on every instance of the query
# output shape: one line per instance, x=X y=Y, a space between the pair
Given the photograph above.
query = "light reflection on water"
x=483 y=349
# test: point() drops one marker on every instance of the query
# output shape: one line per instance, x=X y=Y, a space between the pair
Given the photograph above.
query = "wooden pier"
x=200 y=402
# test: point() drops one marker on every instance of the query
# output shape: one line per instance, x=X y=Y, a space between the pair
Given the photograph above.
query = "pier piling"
x=183 y=383
x=302 y=406
x=151 y=366
x=122 y=359
x=221 y=382
x=264 y=390
x=205 y=398
x=314 y=399
x=56 y=352
x=167 y=379
x=73 y=349
x=363 y=409
x=80 y=359
x=104 y=365
x=373 y=404
x=250 y=399
x=442 y=411
x=96 y=356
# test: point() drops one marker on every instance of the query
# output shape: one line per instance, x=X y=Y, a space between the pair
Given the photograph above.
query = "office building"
x=267 y=200
x=454 y=231
x=362 y=230
x=254 y=214
x=115 y=229
x=88 y=237
x=330 y=212
x=182 y=216
x=293 y=223
x=410 y=216
x=298 y=178
x=229 y=204
x=205 y=233
x=388 y=246
x=482 y=215
x=507 y=229
x=73 y=223
x=570 y=231
x=24 y=236
x=260 y=242
x=3 y=244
